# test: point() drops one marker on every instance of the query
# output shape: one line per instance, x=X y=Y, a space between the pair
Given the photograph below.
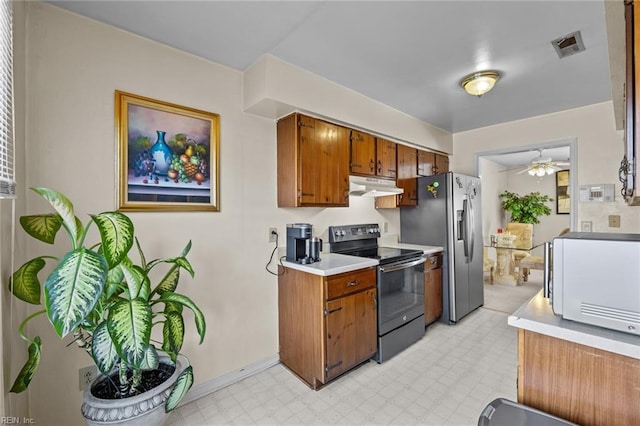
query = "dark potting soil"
x=109 y=388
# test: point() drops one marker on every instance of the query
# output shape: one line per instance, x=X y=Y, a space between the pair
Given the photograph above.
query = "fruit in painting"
x=172 y=173
x=184 y=158
x=199 y=177
x=194 y=160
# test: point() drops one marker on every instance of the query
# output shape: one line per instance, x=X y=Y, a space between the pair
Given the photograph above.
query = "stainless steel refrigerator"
x=448 y=215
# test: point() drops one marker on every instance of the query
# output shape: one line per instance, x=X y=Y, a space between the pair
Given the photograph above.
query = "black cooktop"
x=385 y=254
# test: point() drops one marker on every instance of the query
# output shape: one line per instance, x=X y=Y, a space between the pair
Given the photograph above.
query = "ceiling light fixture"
x=541 y=170
x=479 y=83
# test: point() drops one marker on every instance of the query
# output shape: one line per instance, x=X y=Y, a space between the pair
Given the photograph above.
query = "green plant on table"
x=97 y=294
x=526 y=208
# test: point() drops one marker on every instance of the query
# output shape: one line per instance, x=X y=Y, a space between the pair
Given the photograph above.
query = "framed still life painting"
x=167 y=156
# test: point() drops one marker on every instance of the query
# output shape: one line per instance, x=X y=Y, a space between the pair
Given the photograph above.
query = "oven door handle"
x=399 y=266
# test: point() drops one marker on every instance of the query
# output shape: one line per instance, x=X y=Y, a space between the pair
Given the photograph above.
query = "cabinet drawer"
x=350 y=282
x=433 y=261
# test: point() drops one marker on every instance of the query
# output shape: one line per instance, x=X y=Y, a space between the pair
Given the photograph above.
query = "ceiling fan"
x=541 y=166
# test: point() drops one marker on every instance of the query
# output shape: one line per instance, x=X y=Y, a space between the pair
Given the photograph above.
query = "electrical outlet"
x=273 y=233
x=87 y=375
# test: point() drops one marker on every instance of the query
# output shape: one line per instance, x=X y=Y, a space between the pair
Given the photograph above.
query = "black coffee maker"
x=301 y=246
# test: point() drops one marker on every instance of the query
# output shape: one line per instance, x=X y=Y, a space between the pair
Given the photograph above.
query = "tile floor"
x=447 y=378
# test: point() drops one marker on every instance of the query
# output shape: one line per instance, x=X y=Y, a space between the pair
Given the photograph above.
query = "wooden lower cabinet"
x=578 y=383
x=432 y=288
x=327 y=325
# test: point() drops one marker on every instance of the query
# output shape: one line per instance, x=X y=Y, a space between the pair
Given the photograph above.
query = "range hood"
x=372 y=187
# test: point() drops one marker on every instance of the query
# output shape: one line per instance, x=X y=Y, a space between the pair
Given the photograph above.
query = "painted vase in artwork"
x=161 y=153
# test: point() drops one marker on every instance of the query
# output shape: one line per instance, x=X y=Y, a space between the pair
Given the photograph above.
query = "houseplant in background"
x=526 y=208
x=106 y=302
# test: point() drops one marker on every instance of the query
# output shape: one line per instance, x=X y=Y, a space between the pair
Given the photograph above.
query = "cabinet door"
x=441 y=164
x=363 y=153
x=331 y=173
x=351 y=331
x=407 y=167
x=307 y=160
x=426 y=163
x=432 y=295
x=386 y=156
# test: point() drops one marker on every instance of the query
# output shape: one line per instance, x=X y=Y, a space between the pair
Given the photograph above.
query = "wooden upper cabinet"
x=426 y=163
x=385 y=158
x=313 y=163
x=441 y=164
x=363 y=154
x=407 y=174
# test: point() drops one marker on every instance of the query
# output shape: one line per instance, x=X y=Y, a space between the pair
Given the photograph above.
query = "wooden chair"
x=524 y=240
x=489 y=265
x=532 y=262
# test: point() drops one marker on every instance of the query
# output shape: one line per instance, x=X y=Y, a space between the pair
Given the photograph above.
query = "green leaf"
x=114 y=285
x=172 y=307
x=135 y=279
x=24 y=283
x=73 y=288
x=116 y=232
x=63 y=206
x=43 y=227
x=201 y=325
x=28 y=370
x=103 y=350
x=173 y=334
x=180 y=389
x=151 y=359
x=129 y=325
x=170 y=281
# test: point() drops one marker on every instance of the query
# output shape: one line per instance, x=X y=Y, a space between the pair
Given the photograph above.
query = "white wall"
x=494 y=181
x=598 y=154
x=74 y=66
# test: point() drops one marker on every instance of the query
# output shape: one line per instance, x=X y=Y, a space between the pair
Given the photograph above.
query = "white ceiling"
x=408 y=55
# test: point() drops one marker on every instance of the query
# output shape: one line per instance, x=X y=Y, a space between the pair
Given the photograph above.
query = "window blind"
x=7 y=176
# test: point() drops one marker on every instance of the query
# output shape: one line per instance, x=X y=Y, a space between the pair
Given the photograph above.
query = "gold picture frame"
x=168 y=156
x=563 y=198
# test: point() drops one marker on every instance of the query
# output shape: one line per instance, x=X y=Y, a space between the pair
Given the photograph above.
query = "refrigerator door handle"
x=471 y=236
x=464 y=228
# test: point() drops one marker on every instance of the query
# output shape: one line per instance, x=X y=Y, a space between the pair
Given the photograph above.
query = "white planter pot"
x=146 y=409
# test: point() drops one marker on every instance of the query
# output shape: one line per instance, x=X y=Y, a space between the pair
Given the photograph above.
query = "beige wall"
x=74 y=66
x=599 y=150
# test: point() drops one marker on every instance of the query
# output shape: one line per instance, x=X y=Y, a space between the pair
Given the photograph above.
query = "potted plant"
x=527 y=208
x=98 y=295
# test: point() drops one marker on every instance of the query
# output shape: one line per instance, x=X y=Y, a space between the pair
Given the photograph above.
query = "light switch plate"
x=614 y=221
x=586 y=226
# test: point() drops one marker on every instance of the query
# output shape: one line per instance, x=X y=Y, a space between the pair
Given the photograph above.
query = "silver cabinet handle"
x=353 y=283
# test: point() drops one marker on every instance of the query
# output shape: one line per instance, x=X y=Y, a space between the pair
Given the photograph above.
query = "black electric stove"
x=362 y=241
x=399 y=284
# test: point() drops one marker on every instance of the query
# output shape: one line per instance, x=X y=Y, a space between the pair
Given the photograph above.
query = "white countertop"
x=332 y=264
x=425 y=249
x=537 y=315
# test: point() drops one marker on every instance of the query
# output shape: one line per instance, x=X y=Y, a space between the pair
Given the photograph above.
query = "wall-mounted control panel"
x=597 y=193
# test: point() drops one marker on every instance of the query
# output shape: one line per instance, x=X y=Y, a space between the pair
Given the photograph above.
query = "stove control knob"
x=343 y=233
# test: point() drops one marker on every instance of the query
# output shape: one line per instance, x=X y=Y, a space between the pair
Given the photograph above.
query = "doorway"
x=505 y=169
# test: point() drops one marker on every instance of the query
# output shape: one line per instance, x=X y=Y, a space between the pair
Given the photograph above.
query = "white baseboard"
x=203 y=389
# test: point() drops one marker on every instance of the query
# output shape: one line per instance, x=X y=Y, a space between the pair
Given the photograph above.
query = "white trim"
x=213 y=385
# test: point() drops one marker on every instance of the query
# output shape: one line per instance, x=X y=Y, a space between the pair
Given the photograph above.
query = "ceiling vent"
x=568 y=45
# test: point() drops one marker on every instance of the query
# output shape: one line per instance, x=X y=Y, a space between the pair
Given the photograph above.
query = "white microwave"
x=596 y=279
